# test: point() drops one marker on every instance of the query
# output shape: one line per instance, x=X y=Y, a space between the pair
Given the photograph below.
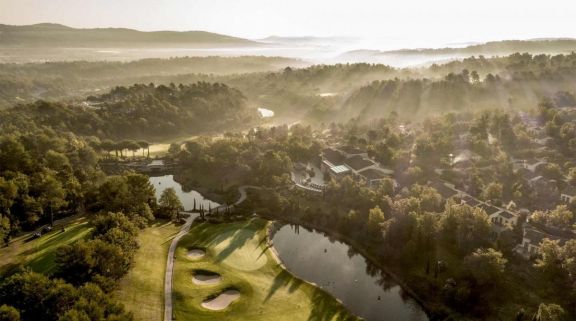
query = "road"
x=170 y=267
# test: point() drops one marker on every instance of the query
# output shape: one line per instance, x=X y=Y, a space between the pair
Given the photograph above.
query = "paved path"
x=170 y=268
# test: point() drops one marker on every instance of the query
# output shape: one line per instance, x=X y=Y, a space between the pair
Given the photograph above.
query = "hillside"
x=56 y=35
x=506 y=47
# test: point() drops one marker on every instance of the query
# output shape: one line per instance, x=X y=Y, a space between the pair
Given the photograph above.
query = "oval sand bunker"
x=206 y=278
x=222 y=301
x=196 y=254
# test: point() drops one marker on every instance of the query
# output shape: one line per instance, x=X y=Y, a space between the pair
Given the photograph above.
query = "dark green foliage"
x=139 y=111
x=38 y=297
x=8 y=313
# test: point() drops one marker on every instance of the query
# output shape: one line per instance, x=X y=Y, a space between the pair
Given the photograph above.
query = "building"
x=504 y=218
x=330 y=158
x=337 y=163
x=568 y=195
x=358 y=163
x=349 y=151
x=531 y=240
x=373 y=176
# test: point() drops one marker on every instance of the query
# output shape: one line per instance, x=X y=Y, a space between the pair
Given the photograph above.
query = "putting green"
x=239 y=253
x=247 y=254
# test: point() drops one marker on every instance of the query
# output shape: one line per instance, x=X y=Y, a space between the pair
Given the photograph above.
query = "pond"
x=334 y=266
x=161 y=183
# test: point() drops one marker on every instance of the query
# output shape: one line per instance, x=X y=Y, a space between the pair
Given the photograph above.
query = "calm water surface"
x=161 y=183
x=334 y=266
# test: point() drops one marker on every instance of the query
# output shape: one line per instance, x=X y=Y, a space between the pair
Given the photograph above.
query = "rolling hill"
x=56 y=35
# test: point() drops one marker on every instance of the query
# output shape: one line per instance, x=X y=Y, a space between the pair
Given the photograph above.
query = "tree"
x=95 y=305
x=53 y=195
x=144 y=145
x=133 y=147
x=486 y=266
x=375 y=218
x=464 y=227
x=550 y=260
x=107 y=146
x=8 y=313
x=475 y=77
x=36 y=296
x=170 y=205
x=560 y=217
x=493 y=193
x=549 y=312
x=174 y=149
x=13 y=156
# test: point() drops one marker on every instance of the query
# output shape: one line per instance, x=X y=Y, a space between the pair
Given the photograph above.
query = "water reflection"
x=336 y=267
x=161 y=183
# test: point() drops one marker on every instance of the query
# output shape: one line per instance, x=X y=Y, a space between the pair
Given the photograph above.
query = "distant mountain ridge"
x=56 y=35
x=544 y=45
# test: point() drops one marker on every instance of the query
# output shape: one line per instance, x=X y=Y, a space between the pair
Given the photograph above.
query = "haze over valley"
x=289 y=161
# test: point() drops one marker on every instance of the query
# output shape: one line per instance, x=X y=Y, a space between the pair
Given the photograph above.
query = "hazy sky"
x=410 y=22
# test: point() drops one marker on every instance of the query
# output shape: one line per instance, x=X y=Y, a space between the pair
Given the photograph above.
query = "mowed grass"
x=39 y=253
x=239 y=253
x=142 y=289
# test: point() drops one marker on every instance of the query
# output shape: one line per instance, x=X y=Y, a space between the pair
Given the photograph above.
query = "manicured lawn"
x=142 y=289
x=239 y=253
x=39 y=254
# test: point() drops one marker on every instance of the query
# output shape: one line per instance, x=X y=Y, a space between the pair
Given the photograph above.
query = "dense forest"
x=139 y=111
x=320 y=92
x=57 y=80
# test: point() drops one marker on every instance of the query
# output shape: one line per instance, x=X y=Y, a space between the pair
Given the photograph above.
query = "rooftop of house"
x=570 y=191
x=470 y=201
x=444 y=190
x=358 y=163
x=536 y=236
x=333 y=156
x=340 y=169
x=351 y=150
x=488 y=208
x=506 y=215
x=372 y=174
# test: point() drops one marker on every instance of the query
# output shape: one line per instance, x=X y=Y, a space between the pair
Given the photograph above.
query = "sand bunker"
x=201 y=278
x=196 y=254
x=222 y=301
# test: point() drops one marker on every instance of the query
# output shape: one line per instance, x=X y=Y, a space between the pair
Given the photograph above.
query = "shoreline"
x=276 y=256
x=373 y=260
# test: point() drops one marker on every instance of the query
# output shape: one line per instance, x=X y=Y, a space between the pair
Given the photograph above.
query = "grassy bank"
x=142 y=289
x=239 y=253
x=39 y=253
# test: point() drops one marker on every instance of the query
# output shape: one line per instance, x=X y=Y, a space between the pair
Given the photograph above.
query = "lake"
x=186 y=197
x=334 y=266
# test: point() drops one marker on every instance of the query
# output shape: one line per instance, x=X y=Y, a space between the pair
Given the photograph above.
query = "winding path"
x=170 y=268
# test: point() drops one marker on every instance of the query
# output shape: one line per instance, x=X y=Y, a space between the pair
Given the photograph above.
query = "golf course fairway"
x=239 y=253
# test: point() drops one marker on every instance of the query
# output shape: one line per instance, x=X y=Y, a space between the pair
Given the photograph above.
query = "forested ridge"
x=139 y=111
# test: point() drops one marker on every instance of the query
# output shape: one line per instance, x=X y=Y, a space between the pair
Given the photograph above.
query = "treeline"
x=43 y=175
x=464 y=91
x=89 y=269
x=139 y=111
x=262 y=157
x=61 y=80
